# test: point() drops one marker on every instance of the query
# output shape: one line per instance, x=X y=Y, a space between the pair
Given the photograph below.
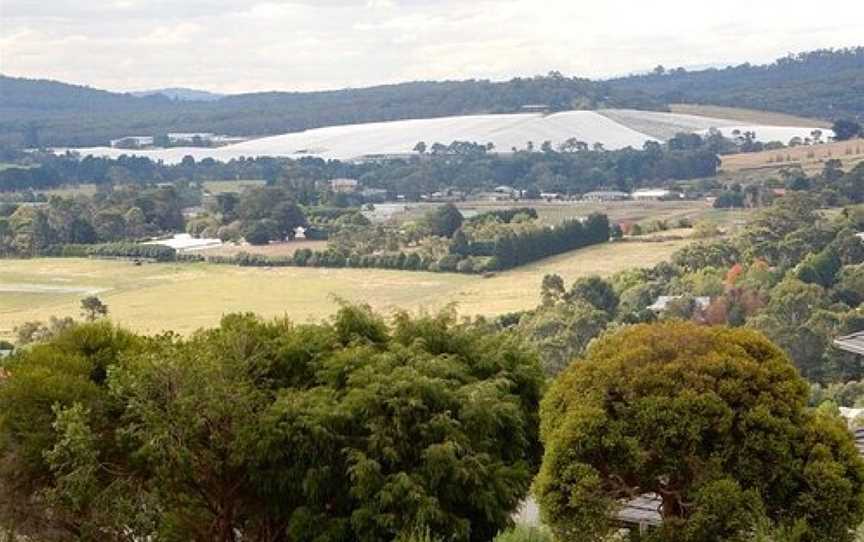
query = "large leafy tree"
x=269 y=431
x=444 y=220
x=713 y=420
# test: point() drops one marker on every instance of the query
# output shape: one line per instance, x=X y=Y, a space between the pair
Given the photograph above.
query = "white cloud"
x=234 y=45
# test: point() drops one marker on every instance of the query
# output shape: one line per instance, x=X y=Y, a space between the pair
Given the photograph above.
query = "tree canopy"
x=351 y=429
x=712 y=420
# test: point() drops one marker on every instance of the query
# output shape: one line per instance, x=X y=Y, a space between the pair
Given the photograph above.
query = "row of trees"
x=512 y=248
x=564 y=170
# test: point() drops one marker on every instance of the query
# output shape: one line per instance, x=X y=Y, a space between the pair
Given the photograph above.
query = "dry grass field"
x=273 y=250
x=556 y=211
x=185 y=297
x=85 y=189
x=811 y=158
x=218 y=187
x=750 y=116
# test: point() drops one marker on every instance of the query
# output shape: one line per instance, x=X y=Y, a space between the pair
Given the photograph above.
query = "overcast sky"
x=249 y=45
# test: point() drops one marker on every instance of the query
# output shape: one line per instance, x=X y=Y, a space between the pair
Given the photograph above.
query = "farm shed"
x=344 y=185
x=663 y=301
x=654 y=194
x=132 y=142
x=605 y=195
x=851 y=343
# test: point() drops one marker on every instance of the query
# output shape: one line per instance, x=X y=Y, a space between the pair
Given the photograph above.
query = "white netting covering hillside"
x=615 y=129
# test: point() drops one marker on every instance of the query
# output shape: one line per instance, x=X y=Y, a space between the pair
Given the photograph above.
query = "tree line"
x=553 y=170
x=825 y=83
x=126 y=214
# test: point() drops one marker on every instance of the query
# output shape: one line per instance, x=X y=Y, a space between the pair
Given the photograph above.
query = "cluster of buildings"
x=353 y=186
x=175 y=139
x=643 y=194
x=505 y=193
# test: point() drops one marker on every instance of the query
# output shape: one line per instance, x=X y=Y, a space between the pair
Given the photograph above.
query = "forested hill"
x=826 y=84
x=29 y=99
x=54 y=114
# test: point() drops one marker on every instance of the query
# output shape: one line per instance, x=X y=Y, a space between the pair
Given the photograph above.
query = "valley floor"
x=184 y=297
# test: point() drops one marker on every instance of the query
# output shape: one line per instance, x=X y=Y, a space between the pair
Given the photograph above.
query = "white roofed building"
x=655 y=194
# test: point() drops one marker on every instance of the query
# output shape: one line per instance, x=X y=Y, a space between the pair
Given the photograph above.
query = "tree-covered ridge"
x=826 y=83
x=48 y=113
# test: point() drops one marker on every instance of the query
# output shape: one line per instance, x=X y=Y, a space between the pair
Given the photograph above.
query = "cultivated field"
x=184 y=297
x=811 y=158
x=748 y=116
x=272 y=250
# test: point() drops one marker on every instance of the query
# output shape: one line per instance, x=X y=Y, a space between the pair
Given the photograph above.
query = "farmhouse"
x=344 y=185
x=662 y=302
x=180 y=138
x=605 y=195
x=654 y=194
x=132 y=142
x=376 y=195
x=551 y=195
x=183 y=242
x=535 y=108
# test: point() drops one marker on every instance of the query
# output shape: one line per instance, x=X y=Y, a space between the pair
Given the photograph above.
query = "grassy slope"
x=811 y=158
x=185 y=297
x=749 y=116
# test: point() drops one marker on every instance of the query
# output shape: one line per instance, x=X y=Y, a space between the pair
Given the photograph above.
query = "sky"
x=253 y=45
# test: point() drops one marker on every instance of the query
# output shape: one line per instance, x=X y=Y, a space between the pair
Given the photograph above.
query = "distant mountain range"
x=181 y=94
x=824 y=84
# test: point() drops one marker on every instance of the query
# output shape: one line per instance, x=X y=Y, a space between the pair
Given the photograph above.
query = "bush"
x=160 y=253
x=465 y=266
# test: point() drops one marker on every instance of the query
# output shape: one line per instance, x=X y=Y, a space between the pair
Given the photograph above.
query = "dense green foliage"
x=712 y=420
x=794 y=272
x=270 y=431
x=61 y=226
x=824 y=83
